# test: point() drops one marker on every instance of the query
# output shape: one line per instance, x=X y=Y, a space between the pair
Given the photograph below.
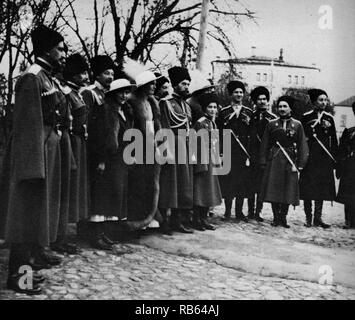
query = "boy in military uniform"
x=261 y=117
x=93 y=96
x=317 y=179
x=76 y=77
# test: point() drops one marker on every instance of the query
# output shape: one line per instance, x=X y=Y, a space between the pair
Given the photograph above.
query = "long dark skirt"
x=114 y=187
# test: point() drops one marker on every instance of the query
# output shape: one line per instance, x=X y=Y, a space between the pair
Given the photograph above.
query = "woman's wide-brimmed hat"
x=145 y=77
x=120 y=84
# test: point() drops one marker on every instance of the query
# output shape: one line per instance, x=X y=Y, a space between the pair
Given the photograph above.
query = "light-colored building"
x=274 y=73
x=344 y=116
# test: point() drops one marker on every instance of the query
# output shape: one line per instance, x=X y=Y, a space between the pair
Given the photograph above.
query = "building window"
x=296 y=79
x=343 y=121
x=265 y=77
x=303 y=81
x=289 y=79
x=258 y=77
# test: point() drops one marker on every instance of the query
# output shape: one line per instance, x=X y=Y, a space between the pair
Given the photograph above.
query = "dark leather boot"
x=239 y=216
x=251 y=208
x=165 y=225
x=110 y=231
x=283 y=216
x=47 y=256
x=97 y=240
x=228 y=204
x=259 y=207
x=307 y=204
x=204 y=220
x=318 y=215
x=276 y=212
x=196 y=220
x=347 y=217
x=177 y=223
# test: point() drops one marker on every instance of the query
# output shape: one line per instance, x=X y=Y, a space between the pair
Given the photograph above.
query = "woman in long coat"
x=207 y=192
x=284 y=152
x=144 y=175
x=346 y=173
x=118 y=119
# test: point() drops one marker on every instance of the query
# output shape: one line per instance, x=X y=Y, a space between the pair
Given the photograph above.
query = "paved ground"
x=237 y=261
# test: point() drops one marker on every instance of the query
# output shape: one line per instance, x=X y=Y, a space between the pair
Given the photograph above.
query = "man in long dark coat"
x=103 y=72
x=261 y=117
x=76 y=76
x=33 y=202
x=283 y=153
x=346 y=174
x=317 y=179
x=176 y=179
x=236 y=184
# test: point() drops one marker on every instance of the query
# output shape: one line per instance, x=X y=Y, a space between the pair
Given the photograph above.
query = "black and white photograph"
x=177 y=154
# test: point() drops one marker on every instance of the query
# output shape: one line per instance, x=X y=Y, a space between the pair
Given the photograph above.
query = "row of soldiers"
x=66 y=162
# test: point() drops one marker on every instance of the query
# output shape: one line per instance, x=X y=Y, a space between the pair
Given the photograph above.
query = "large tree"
x=143 y=29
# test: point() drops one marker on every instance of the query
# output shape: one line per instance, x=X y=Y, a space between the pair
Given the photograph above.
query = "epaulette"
x=227 y=107
x=64 y=88
x=328 y=114
x=90 y=87
x=34 y=69
x=274 y=120
x=203 y=118
x=308 y=112
x=247 y=109
x=297 y=121
x=272 y=114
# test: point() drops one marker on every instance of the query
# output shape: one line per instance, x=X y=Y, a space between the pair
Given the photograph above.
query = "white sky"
x=293 y=25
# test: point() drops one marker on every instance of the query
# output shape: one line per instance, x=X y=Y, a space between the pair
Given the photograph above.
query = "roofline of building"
x=277 y=63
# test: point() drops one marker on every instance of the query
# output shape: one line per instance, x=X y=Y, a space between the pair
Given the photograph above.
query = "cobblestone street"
x=152 y=268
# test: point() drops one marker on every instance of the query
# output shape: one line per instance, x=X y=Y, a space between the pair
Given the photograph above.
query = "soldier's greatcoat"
x=207 y=192
x=34 y=159
x=176 y=179
x=280 y=183
x=94 y=97
x=238 y=182
x=67 y=162
x=258 y=124
x=78 y=205
x=346 y=167
x=317 y=179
